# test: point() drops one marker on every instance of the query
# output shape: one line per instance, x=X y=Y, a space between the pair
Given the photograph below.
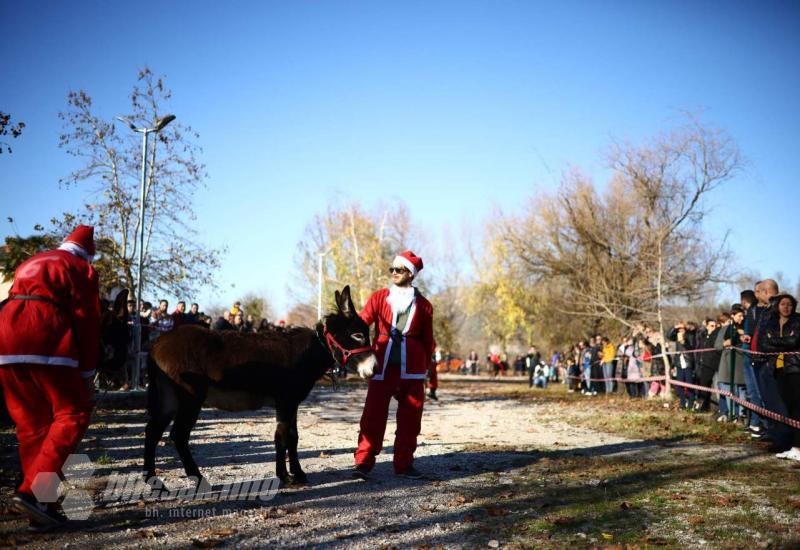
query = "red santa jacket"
x=60 y=325
x=417 y=344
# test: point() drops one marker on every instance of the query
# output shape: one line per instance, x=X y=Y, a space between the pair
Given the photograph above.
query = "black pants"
x=789 y=386
x=705 y=377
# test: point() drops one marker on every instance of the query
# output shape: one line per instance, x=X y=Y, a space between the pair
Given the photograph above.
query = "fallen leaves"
x=496 y=511
x=625 y=505
x=458 y=500
x=696 y=520
x=212 y=538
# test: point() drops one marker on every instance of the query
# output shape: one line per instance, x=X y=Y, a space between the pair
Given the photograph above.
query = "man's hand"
x=746 y=338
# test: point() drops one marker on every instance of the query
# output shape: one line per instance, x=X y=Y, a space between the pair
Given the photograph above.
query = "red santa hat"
x=83 y=236
x=409 y=260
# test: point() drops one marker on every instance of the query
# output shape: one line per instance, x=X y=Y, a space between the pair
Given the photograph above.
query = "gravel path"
x=471 y=439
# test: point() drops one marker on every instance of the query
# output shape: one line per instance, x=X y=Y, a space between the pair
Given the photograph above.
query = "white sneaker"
x=791 y=454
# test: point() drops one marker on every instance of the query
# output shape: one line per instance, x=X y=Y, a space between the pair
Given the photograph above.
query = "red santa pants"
x=50 y=406
x=410 y=395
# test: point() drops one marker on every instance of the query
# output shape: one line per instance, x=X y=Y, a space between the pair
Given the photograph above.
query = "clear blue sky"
x=453 y=106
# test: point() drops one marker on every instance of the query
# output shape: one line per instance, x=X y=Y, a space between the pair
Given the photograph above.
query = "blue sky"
x=455 y=107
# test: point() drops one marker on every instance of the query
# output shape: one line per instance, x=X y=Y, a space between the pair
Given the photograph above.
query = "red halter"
x=330 y=340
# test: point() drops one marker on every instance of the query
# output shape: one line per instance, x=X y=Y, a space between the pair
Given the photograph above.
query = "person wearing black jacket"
x=781 y=335
x=709 y=361
x=685 y=337
x=780 y=434
x=224 y=322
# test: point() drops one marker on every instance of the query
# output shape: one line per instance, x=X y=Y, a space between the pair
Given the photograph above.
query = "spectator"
x=194 y=315
x=179 y=315
x=238 y=322
x=634 y=372
x=531 y=360
x=685 y=337
x=224 y=322
x=782 y=336
x=236 y=308
x=780 y=433
x=250 y=323
x=709 y=360
x=730 y=337
x=539 y=376
x=161 y=321
x=756 y=424
x=472 y=362
x=608 y=352
x=587 y=353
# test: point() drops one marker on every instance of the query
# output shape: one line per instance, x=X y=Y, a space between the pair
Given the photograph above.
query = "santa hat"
x=83 y=236
x=409 y=260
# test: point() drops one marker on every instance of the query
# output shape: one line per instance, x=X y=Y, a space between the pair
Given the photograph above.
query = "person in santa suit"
x=404 y=346
x=49 y=343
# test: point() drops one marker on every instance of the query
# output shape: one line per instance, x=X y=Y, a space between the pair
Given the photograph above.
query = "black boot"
x=432 y=394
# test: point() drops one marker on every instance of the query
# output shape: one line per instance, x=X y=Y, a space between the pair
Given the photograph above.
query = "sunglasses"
x=398 y=270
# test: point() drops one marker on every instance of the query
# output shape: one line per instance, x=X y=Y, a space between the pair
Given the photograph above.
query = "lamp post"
x=137 y=326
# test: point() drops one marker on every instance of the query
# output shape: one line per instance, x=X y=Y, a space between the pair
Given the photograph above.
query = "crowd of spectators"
x=156 y=321
x=752 y=350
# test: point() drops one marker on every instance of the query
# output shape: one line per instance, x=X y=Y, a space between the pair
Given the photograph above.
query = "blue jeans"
x=686 y=394
x=608 y=372
x=540 y=381
x=753 y=391
x=726 y=402
x=781 y=433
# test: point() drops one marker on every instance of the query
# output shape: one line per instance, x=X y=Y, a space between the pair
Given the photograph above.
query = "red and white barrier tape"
x=744 y=403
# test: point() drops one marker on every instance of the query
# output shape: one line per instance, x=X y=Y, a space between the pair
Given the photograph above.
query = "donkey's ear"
x=338 y=299
x=347 y=307
x=120 y=303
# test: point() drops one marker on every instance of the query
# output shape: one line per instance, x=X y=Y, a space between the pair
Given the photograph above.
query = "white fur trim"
x=405 y=263
x=76 y=250
x=400 y=297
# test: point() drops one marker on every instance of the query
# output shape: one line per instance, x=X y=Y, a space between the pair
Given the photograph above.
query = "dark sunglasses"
x=398 y=270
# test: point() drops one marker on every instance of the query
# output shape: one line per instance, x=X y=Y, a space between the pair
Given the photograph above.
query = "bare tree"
x=358 y=247
x=7 y=128
x=625 y=254
x=175 y=262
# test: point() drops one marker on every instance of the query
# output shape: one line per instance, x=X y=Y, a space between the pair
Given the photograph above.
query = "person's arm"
x=790 y=341
x=369 y=313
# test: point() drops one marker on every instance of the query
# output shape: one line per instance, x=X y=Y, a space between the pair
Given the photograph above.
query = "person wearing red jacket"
x=49 y=343
x=404 y=345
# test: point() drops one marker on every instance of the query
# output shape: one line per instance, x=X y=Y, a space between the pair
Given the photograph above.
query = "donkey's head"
x=347 y=336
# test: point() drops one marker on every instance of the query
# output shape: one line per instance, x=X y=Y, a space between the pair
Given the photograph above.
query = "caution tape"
x=744 y=403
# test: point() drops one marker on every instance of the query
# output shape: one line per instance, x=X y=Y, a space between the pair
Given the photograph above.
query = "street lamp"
x=161 y=123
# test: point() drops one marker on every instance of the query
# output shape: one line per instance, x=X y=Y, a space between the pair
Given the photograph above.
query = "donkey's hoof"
x=300 y=480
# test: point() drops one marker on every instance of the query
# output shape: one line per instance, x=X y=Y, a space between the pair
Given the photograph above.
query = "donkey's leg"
x=161 y=406
x=284 y=416
x=188 y=410
x=298 y=474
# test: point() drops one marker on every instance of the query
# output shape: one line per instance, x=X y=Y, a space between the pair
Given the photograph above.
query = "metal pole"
x=732 y=365
x=140 y=261
x=319 y=285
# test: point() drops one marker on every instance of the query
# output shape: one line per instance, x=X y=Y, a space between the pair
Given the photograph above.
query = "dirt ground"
x=507 y=467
